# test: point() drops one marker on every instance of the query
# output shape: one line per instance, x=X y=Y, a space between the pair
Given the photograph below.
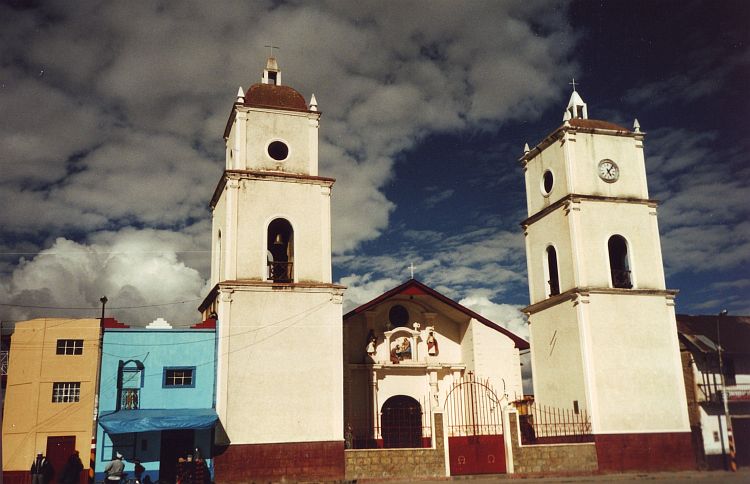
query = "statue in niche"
x=432 y=344
x=371 y=344
x=395 y=352
x=405 y=353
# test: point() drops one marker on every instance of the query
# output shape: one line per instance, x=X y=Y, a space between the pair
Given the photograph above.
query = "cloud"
x=131 y=267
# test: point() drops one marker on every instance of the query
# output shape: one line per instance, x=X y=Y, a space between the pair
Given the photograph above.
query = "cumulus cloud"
x=143 y=273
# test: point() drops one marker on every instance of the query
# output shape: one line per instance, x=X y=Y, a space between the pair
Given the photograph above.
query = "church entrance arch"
x=474 y=420
x=401 y=421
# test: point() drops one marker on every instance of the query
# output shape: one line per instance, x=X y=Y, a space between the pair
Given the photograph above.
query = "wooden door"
x=59 y=449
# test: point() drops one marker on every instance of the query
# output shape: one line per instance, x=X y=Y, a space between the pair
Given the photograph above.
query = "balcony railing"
x=130 y=399
x=735 y=393
x=280 y=271
x=621 y=278
x=4 y=363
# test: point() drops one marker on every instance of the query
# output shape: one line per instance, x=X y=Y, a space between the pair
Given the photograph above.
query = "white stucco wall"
x=284 y=374
x=556 y=359
x=637 y=383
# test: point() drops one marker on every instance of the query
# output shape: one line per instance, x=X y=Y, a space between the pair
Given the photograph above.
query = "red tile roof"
x=595 y=124
x=276 y=97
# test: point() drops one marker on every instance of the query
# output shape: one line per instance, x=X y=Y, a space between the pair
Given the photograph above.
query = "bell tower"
x=602 y=322
x=279 y=316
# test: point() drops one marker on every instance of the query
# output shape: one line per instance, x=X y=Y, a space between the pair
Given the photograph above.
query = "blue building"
x=157 y=396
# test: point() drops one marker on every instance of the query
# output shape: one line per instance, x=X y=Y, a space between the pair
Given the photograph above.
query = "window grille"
x=66 y=392
x=178 y=377
x=70 y=347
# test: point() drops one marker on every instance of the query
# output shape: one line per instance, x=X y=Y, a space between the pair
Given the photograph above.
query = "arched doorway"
x=401 y=421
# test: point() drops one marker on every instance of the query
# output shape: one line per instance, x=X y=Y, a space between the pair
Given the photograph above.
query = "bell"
x=277 y=240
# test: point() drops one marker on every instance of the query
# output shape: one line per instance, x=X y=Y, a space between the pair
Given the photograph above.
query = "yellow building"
x=49 y=401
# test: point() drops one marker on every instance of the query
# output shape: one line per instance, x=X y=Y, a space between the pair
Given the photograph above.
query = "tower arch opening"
x=619 y=262
x=280 y=253
x=552 y=273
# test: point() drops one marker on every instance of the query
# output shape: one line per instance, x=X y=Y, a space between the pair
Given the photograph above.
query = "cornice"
x=577 y=198
x=276 y=176
x=581 y=294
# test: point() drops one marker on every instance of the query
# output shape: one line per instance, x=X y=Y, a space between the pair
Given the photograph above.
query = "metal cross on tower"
x=270 y=48
x=573 y=83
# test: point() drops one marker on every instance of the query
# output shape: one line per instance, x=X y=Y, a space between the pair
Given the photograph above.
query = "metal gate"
x=475 y=428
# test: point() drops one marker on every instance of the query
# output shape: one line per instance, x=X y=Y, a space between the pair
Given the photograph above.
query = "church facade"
x=406 y=350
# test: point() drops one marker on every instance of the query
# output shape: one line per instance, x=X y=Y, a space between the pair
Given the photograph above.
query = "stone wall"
x=550 y=458
x=399 y=463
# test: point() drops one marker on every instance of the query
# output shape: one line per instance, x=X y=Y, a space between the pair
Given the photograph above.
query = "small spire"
x=576 y=107
x=272 y=73
x=240 y=96
x=313 y=103
x=636 y=126
x=526 y=148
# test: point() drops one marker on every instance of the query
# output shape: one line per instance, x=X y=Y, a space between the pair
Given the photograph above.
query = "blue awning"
x=149 y=420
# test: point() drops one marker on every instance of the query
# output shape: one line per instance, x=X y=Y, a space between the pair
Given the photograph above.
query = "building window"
x=619 y=263
x=553 y=276
x=280 y=256
x=181 y=377
x=70 y=347
x=398 y=316
x=548 y=181
x=66 y=392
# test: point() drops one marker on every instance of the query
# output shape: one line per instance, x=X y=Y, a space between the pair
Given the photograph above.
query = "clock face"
x=608 y=171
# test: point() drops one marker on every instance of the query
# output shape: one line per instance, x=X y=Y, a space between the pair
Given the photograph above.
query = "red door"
x=59 y=449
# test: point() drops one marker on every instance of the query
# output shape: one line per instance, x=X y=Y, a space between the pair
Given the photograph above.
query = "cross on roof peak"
x=573 y=83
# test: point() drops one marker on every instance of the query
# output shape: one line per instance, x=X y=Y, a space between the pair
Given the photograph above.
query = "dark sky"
x=112 y=115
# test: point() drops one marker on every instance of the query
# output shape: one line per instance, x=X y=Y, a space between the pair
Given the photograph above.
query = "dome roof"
x=275 y=97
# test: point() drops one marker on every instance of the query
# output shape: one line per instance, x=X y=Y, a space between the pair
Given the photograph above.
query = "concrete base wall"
x=550 y=458
x=669 y=451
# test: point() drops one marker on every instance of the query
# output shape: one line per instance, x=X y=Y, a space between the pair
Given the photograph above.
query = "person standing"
x=138 y=470
x=114 y=469
x=41 y=470
x=72 y=471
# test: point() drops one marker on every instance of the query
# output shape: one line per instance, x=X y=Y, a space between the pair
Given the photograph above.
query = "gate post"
x=507 y=438
x=440 y=437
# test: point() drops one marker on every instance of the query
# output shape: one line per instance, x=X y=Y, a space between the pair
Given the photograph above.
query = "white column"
x=230 y=239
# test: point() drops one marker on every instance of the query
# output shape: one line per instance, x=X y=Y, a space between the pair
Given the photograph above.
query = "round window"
x=398 y=315
x=548 y=181
x=278 y=150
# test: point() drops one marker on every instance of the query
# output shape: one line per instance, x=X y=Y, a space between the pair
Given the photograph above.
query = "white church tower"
x=279 y=374
x=603 y=330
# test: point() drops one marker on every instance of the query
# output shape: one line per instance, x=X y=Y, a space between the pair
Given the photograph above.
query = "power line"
x=98 y=307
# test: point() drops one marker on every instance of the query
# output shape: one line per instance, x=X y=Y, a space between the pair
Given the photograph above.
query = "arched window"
x=619 y=265
x=553 y=277
x=129 y=383
x=401 y=421
x=280 y=243
x=217 y=257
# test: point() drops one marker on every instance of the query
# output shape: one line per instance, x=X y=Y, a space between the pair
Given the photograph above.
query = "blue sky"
x=112 y=115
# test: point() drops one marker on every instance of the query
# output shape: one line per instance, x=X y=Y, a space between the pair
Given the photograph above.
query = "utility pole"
x=724 y=399
x=92 y=455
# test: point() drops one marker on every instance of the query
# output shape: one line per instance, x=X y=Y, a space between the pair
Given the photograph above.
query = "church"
x=303 y=390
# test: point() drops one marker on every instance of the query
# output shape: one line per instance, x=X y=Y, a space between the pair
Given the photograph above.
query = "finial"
x=526 y=148
x=313 y=103
x=411 y=269
x=573 y=83
x=240 y=95
x=636 y=126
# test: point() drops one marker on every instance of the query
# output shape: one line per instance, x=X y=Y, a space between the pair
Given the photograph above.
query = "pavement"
x=694 y=477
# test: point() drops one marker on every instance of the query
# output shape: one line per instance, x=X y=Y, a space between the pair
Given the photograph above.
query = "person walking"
x=41 y=470
x=72 y=471
x=114 y=469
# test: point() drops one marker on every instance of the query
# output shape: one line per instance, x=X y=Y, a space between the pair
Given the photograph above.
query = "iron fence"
x=280 y=271
x=129 y=399
x=405 y=427
x=545 y=425
x=473 y=408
